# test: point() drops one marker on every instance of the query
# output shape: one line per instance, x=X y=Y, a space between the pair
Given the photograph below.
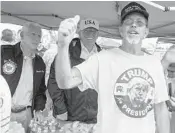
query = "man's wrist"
x=62 y=48
x=62 y=45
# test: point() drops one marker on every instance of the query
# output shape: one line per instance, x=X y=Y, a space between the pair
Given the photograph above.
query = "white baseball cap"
x=87 y=23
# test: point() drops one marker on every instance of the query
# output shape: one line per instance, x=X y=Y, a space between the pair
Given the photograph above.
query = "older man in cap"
x=78 y=105
x=109 y=73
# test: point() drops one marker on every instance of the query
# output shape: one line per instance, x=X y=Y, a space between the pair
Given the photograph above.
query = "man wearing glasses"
x=75 y=104
x=109 y=72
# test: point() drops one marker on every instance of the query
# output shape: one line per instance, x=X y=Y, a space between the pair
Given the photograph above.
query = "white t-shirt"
x=128 y=86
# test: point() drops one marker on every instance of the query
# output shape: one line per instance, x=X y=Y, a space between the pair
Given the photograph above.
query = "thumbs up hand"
x=67 y=30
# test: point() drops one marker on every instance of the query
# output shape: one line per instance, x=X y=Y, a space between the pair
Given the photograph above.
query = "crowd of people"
x=121 y=90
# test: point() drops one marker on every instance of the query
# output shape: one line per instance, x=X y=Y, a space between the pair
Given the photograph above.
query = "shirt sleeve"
x=161 y=90
x=89 y=73
x=56 y=93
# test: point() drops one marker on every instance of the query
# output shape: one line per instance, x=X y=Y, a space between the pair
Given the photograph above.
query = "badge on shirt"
x=134 y=92
x=9 y=67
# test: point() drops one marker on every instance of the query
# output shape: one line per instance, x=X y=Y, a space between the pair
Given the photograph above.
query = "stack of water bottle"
x=46 y=126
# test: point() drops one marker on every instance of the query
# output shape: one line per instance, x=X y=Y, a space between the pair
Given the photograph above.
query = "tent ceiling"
x=50 y=13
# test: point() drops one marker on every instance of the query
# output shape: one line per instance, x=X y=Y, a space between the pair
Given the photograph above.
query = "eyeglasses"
x=139 y=23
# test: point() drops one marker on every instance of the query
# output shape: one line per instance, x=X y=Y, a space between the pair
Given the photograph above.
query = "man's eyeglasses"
x=139 y=23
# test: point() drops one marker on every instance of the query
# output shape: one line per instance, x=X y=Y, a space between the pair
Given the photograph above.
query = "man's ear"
x=146 y=32
x=120 y=31
x=97 y=34
x=21 y=34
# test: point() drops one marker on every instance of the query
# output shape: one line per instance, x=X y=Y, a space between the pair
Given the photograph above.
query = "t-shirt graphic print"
x=134 y=93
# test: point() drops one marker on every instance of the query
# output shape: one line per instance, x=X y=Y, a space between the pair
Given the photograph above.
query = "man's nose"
x=140 y=92
x=90 y=34
x=134 y=24
x=37 y=39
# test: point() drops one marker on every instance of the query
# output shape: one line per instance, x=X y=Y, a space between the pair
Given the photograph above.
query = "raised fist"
x=67 y=30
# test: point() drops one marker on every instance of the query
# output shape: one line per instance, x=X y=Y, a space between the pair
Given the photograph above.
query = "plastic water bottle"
x=75 y=20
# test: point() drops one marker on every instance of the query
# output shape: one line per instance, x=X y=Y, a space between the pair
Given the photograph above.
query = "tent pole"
x=172 y=8
x=155 y=5
x=165 y=9
x=22 y=18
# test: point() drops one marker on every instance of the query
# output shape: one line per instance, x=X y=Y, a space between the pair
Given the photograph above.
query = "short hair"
x=6 y=30
x=27 y=26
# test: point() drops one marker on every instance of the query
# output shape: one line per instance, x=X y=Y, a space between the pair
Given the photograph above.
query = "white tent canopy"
x=50 y=13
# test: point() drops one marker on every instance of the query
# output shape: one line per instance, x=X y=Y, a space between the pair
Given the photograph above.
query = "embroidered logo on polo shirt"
x=9 y=67
x=134 y=93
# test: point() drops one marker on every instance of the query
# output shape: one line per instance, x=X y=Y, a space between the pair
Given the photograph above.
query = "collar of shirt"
x=85 y=53
x=6 y=43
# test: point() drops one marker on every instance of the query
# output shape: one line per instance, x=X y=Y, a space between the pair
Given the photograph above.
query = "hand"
x=62 y=116
x=38 y=116
x=67 y=31
x=171 y=104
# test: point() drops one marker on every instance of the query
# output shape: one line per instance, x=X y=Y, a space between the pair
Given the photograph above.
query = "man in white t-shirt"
x=130 y=83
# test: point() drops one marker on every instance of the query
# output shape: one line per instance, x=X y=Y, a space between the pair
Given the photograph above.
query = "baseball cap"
x=89 y=23
x=133 y=7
